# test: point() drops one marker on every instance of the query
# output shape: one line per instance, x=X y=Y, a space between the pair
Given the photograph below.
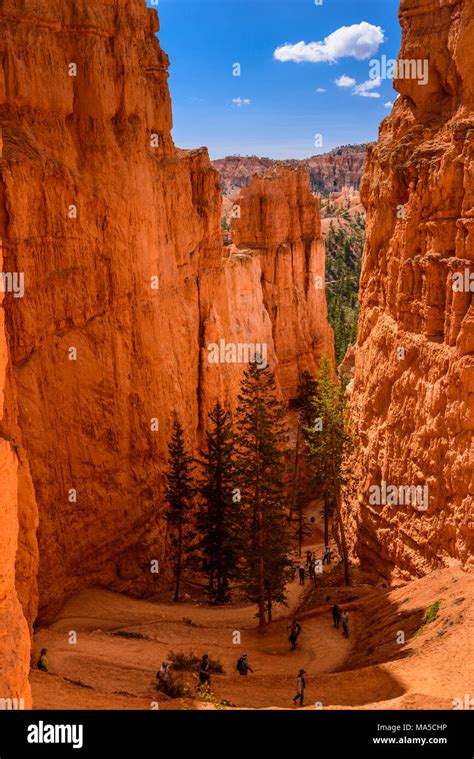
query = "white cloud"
x=359 y=41
x=388 y=104
x=364 y=90
x=239 y=102
x=321 y=89
x=345 y=81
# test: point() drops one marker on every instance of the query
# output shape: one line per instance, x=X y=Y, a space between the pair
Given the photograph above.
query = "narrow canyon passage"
x=153 y=278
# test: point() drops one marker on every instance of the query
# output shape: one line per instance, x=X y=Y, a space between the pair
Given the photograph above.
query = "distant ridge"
x=329 y=172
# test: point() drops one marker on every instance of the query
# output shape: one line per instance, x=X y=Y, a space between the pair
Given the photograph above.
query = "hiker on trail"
x=43 y=660
x=300 y=686
x=243 y=666
x=345 y=623
x=336 y=616
x=204 y=672
x=302 y=574
x=309 y=558
x=295 y=630
x=311 y=570
x=163 y=674
x=327 y=555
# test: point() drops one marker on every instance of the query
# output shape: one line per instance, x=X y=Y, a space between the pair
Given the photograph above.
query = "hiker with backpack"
x=243 y=667
x=345 y=623
x=204 y=672
x=327 y=555
x=300 y=686
x=42 y=663
x=336 y=616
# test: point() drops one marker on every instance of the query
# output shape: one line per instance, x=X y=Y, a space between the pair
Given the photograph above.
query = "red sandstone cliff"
x=98 y=206
x=280 y=223
x=414 y=407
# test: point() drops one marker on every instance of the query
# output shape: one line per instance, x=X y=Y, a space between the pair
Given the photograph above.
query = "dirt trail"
x=120 y=672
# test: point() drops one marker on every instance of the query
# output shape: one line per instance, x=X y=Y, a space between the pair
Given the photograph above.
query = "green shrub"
x=430 y=615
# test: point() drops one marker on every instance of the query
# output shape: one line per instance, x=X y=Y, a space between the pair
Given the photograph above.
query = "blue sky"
x=205 y=38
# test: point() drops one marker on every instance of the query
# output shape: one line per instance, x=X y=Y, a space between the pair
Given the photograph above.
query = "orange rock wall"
x=414 y=408
x=93 y=212
x=18 y=551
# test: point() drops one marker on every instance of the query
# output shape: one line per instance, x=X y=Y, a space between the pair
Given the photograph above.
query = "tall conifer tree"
x=219 y=510
x=261 y=440
x=179 y=492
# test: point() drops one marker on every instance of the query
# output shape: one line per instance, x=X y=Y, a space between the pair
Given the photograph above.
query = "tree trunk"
x=270 y=606
x=345 y=556
x=178 y=562
x=326 y=521
x=295 y=474
x=261 y=594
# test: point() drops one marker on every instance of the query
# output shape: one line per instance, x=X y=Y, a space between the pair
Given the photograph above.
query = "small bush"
x=135 y=636
x=430 y=615
x=190 y=662
x=173 y=688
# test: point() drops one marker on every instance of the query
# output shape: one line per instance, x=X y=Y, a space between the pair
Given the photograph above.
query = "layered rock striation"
x=413 y=389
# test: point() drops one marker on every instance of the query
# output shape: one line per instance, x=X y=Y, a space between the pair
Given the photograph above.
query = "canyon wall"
x=413 y=389
x=126 y=285
x=18 y=550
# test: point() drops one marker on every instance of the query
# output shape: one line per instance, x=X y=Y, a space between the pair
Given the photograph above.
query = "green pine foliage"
x=260 y=477
x=218 y=521
x=344 y=247
x=329 y=446
x=179 y=493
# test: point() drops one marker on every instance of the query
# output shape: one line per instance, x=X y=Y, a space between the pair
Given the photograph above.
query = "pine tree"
x=330 y=443
x=219 y=510
x=261 y=439
x=306 y=392
x=300 y=485
x=179 y=492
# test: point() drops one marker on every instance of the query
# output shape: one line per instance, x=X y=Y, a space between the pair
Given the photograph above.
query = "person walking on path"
x=295 y=630
x=336 y=616
x=327 y=555
x=302 y=574
x=204 y=673
x=309 y=558
x=300 y=686
x=243 y=666
x=345 y=623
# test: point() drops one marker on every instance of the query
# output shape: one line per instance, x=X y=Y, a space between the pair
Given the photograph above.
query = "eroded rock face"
x=413 y=390
x=127 y=284
x=17 y=510
x=280 y=223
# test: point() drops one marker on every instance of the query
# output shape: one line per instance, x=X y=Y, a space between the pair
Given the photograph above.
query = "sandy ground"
x=371 y=669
